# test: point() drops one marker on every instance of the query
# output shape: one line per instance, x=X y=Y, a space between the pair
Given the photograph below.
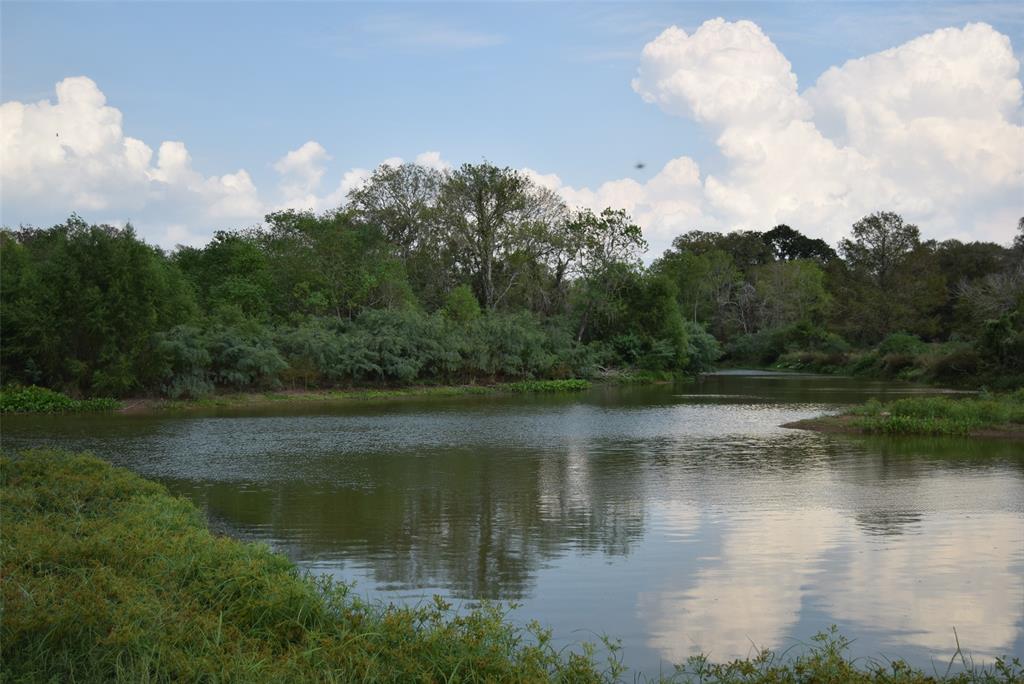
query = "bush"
x=243 y=358
x=186 y=363
x=570 y=385
x=704 y=349
x=900 y=343
x=41 y=400
x=956 y=365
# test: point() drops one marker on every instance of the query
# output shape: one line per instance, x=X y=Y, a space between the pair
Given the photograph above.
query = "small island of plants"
x=985 y=415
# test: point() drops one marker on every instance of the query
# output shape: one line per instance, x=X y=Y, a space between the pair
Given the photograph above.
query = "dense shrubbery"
x=957 y=363
x=15 y=399
x=171 y=602
x=375 y=348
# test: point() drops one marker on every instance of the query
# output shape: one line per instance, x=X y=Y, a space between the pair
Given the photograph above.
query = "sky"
x=185 y=118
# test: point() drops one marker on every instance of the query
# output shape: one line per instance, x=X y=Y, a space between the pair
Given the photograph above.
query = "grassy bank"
x=360 y=394
x=988 y=415
x=107 y=577
x=41 y=400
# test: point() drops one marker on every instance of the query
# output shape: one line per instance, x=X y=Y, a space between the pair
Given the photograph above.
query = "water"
x=679 y=519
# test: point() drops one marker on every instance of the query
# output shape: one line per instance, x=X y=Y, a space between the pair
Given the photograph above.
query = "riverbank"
x=989 y=416
x=355 y=395
x=109 y=578
x=42 y=400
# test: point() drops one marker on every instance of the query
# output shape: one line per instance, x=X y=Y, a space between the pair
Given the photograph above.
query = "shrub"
x=704 y=349
x=569 y=385
x=900 y=343
x=34 y=399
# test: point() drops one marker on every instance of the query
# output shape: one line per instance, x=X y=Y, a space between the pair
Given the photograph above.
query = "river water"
x=678 y=519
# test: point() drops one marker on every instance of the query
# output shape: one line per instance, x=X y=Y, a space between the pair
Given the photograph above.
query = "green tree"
x=500 y=223
x=892 y=280
x=790 y=292
x=606 y=257
x=331 y=264
x=83 y=305
x=787 y=244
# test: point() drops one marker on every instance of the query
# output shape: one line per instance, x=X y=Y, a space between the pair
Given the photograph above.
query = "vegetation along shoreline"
x=987 y=415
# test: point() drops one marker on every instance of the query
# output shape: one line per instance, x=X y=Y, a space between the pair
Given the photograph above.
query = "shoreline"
x=359 y=394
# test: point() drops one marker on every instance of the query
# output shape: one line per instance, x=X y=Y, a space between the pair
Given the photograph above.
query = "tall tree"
x=501 y=223
x=787 y=244
x=893 y=279
x=606 y=256
x=87 y=301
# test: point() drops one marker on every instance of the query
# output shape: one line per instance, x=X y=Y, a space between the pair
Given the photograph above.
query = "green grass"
x=571 y=385
x=230 y=400
x=106 y=577
x=943 y=415
x=34 y=399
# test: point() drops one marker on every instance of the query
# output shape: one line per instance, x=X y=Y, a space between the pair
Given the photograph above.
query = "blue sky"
x=540 y=85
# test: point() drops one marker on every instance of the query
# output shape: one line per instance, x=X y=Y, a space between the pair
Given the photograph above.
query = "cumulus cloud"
x=724 y=74
x=302 y=170
x=929 y=129
x=73 y=155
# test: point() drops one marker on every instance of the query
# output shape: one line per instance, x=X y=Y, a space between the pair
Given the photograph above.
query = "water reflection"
x=680 y=518
x=748 y=593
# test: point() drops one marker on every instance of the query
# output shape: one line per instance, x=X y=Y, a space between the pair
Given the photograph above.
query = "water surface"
x=678 y=518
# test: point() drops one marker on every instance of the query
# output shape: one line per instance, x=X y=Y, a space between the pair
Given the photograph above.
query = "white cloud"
x=929 y=129
x=724 y=74
x=301 y=171
x=73 y=155
x=432 y=159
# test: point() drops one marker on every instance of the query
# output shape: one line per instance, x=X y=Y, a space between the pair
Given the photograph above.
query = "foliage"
x=703 y=349
x=479 y=274
x=32 y=399
x=80 y=306
x=892 y=279
x=900 y=343
x=109 y=578
x=461 y=305
x=568 y=385
x=766 y=346
x=943 y=415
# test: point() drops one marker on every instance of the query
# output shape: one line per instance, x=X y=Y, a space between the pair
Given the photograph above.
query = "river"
x=678 y=519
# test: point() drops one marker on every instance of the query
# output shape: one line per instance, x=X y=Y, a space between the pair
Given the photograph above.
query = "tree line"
x=480 y=274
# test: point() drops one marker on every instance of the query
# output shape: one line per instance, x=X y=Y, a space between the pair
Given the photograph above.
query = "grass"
x=242 y=399
x=106 y=577
x=34 y=399
x=943 y=415
x=571 y=385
